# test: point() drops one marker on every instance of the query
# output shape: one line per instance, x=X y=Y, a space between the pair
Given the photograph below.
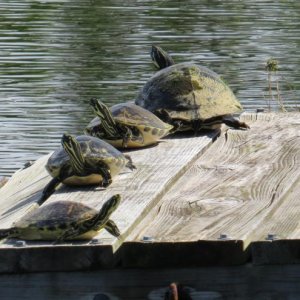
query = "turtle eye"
x=93 y=101
x=67 y=141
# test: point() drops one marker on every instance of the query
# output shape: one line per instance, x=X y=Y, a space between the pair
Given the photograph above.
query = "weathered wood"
x=157 y=169
x=185 y=195
x=245 y=282
x=277 y=241
x=233 y=188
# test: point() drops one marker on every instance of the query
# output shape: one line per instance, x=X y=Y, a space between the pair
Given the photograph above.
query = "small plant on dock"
x=272 y=67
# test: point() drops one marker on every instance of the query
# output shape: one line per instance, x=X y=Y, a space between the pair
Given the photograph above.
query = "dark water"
x=55 y=55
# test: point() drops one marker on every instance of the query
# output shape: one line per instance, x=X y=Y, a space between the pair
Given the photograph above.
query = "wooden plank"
x=21 y=190
x=278 y=239
x=239 y=282
x=158 y=168
x=233 y=188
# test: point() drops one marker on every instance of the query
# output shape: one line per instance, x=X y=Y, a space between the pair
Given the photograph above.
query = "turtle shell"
x=188 y=92
x=50 y=221
x=143 y=124
x=134 y=115
x=94 y=150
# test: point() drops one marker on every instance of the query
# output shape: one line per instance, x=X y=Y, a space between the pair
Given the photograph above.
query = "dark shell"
x=57 y=215
x=188 y=91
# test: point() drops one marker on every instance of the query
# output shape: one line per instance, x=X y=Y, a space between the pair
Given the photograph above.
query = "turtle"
x=84 y=160
x=64 y=220
x=188 y=96
x=126 y=125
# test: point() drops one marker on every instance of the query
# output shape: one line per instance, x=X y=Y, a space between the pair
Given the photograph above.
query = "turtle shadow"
x=33 y=199
x=19 y=242
x=66 y=189
x=21 y=204
x=209 y=133
x=130 y=150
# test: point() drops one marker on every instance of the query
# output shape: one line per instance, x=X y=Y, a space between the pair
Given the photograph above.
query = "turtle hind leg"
x=68 y=234
x=49 y=190
x=235 y=123
x=46 y=193
x=6 y=233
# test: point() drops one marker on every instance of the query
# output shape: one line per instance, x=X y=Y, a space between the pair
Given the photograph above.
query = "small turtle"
x=188 y=96
x=64 y=220
x=84 y=160
x=126 y=125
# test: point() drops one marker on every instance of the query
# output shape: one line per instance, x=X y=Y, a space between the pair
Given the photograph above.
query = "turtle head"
x=114 y=201
x=161 y=58
x=72 y=147
x=68 y=141
x=99 y=108
x=107 y=120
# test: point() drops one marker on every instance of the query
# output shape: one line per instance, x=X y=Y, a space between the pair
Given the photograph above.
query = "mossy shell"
x=188 y=92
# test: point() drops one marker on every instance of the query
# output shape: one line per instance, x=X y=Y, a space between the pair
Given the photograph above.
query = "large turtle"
x=126 y=125
x=64 y=220
x=188 y=96
x=84 y=160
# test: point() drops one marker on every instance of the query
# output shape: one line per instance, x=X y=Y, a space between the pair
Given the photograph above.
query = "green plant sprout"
x=272 y=67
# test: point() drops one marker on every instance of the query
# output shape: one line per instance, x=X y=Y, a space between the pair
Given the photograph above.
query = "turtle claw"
x=130 y=164
x=244 y=125
x=105 y=183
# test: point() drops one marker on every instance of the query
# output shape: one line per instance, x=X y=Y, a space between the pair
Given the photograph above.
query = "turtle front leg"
x=112 y=228
x=69 y=234
x=126 y=134
x=235 y=123
x=104 y=171
x=164 y=115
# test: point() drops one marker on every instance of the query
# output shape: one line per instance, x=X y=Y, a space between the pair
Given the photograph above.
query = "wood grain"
x=233 y=188
x=186 y=193
x=277 y=241
x=158 y=168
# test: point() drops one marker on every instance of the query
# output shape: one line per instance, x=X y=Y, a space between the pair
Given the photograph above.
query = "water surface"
x=56 y=55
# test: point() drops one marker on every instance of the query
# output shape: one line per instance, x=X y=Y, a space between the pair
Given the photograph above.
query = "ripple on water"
x=56 y=55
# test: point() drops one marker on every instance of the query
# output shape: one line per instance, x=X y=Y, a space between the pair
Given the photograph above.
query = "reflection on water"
x=57 y=54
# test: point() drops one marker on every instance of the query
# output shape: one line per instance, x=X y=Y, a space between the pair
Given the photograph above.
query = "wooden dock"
x=216 y=200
